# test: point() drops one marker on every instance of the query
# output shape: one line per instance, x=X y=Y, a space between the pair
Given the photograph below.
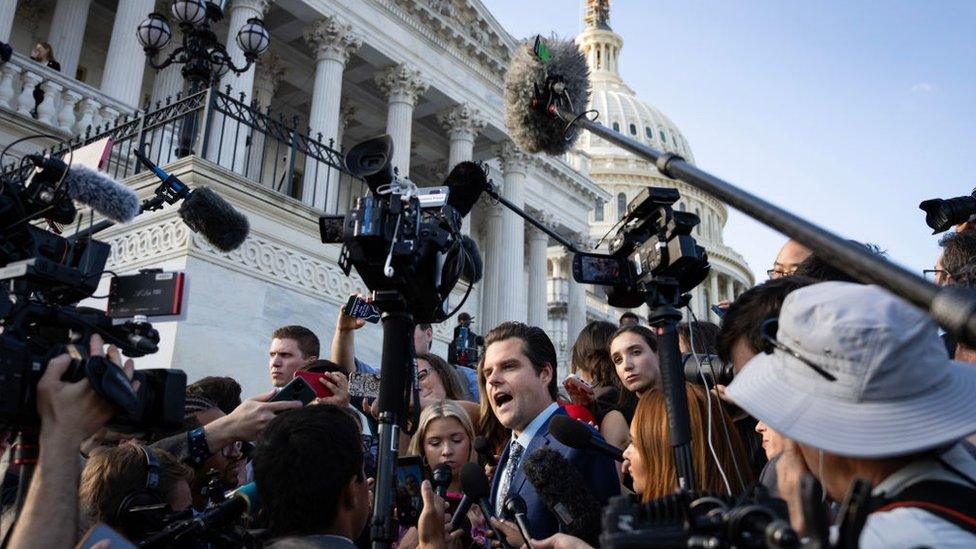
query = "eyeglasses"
x=936 y=275
x=775 y=273
x=769 y=327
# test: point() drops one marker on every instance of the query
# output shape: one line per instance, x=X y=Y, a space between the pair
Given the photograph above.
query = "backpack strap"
x=949 y=501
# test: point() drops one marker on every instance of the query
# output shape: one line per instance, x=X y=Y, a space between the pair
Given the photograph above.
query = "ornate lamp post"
x=204 y=58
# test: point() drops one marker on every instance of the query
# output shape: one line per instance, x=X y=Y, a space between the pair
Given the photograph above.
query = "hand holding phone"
x=312 y=378
x=580 y=392
x=358 y=307
x=297 y=389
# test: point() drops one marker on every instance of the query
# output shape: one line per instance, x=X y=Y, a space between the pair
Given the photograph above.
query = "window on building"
x=664 y=138
x=621 y=205
x=698 y=226
x=616 y=127
x=598 y=210
x=633 y=129
x=648 y=132
x=681 y=206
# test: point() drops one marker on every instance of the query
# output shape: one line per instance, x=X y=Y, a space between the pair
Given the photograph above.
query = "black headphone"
x=144 y=510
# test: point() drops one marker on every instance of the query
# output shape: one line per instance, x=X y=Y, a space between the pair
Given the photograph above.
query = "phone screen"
x=409 y=501
x=359 y=308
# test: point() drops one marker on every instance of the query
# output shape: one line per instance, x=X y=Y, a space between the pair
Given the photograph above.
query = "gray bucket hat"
x=896 y=392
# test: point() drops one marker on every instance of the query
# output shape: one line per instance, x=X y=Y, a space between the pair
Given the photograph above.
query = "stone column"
x=493 y=249
x=729 y=288
x=240 y=11
x=68 y=31
x=713 y=292
x=268 y=75
x=347 y=112
x=538 y=314
x=333 y=42
x=124 y=67
x=402 y=86
x=576 y=300
x=462 y=123
x=515 y=164
x=7 y=10
x=169 y=81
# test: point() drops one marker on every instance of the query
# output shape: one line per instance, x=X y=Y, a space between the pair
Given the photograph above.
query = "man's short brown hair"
x=112 y=473
x=308 y=342
x=747 y=313
x=536 y=345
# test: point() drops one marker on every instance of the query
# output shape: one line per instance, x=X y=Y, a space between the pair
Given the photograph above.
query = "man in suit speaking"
x=519 y=370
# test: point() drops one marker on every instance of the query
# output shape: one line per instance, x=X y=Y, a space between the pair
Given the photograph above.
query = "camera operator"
x=860 y=381
x=70 y=413
x=472 y=342
x=224 y=469
x=308 y=466
x=741 y=339
x=118 y=479
x=957 y=265
x=344 y=342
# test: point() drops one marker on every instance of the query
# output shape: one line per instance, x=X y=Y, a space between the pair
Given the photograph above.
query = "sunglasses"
x=768 y=330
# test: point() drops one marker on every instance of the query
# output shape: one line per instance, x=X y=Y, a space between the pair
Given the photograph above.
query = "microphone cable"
x=708 y=397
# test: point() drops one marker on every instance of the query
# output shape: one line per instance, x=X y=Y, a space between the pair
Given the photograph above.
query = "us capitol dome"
x=624 y=175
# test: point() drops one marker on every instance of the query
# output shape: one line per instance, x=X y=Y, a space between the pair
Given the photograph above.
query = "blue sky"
x=846 y=113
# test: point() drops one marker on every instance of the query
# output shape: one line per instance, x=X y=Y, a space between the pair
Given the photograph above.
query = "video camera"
x=652 y=250
x=400 y=237
x=42 y=275
x=697 y=519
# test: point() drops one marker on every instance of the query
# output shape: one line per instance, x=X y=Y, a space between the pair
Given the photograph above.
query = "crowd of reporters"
x=810 y=373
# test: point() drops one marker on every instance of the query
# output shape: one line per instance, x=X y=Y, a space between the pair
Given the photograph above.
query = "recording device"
x=43 y=274
x=942 y=214
x=151 y=292
x=575 y=434
x=312 y=379
x=696 y=519
x=203 y=210
x=217 y=525
x=440 y=479
x=516 y=509
x=409 y=499
x=362 y=384
x=359 y=308
x=716 y=372
x=580 y=392
x=399 y=239
x=465 y=349
x=562 y=488
x=653 y=251
x=483 y=447
x=296 y=389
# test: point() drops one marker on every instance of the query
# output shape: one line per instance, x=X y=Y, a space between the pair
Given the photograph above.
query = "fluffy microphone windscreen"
x=569 y=431
x=474 y=483
x=473 y=267
x=213 y=217
x=562 y=488
x=535 y=129
x=465 y=183
x=102 y=193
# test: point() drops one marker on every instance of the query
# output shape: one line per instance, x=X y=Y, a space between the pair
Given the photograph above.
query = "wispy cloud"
x=923 y=87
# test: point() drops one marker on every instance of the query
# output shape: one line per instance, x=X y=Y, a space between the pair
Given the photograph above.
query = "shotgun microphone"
x=575 y=434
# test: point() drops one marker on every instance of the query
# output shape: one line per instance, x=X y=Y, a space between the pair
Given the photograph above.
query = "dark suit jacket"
x=599 y=471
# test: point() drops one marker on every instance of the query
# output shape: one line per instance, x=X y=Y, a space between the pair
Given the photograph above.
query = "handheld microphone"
x=474 y=485
x=483 y=448
x=562 y=488
x=536 y=74
x=441 y=478
x=574 y=434
x=90 y=187
x=516 y=510
x=458 y=518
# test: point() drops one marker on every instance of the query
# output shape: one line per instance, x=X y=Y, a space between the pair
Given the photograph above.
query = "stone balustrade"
x=68 y=105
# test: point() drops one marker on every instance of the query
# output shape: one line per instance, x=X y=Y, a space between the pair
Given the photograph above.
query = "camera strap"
x=950 y=501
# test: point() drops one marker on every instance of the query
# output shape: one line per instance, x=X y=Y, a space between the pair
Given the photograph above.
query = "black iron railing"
x=255 y=143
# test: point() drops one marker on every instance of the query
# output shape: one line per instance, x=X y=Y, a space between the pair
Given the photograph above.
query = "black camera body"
x=42 y=276
x=697 y=519
x=654 y=249
x=399 y=238
x=942 y=214
x=715 y=371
